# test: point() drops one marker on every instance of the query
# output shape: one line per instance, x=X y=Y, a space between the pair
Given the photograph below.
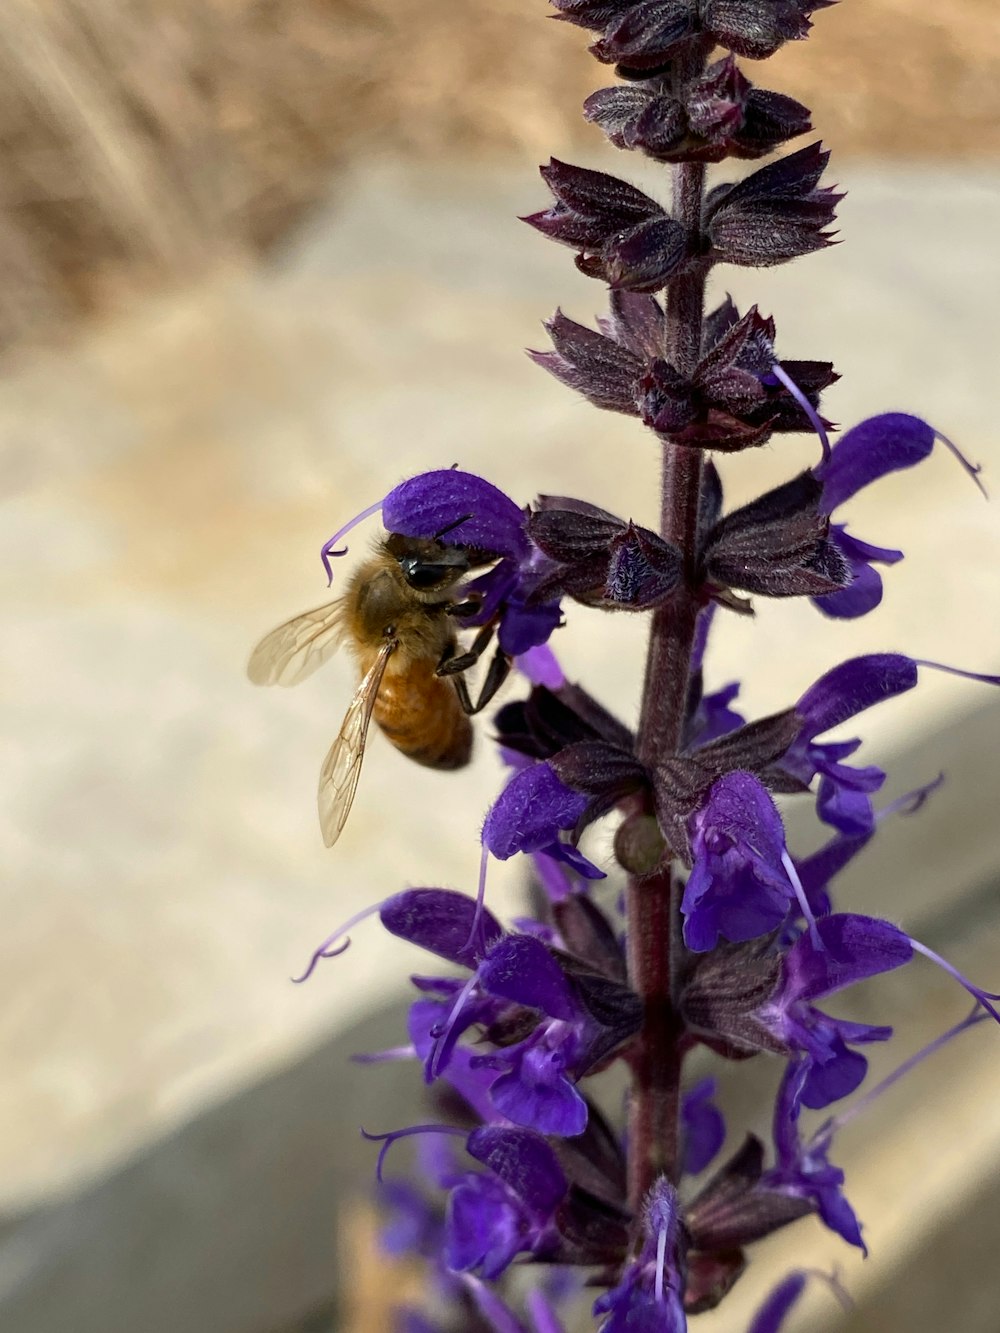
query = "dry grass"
x=143 y=140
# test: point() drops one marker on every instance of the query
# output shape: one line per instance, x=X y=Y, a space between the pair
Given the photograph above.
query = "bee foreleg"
x=454 y=666
x=495 y=676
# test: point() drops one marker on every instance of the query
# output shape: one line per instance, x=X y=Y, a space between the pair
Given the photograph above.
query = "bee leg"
x=454 y=666
x=499 y=669
x=466 y=608
x=495 y=676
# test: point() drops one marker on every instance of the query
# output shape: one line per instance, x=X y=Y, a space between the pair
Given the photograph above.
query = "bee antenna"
x=442 y=532
x=327 y=550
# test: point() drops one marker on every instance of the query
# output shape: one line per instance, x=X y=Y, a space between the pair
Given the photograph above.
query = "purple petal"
x=441 y=921
x=487 y=519
x=873 y=449
x=520 y=968
x=524 y=1162
x=529 y=813
x=853 y=947
x=523 y=627
x=553 y=1107
x=704 y=1127
x=778 y=1305
x=541 y=666
x=852 y=687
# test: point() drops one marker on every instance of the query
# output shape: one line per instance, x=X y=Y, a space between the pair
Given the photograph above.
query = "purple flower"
x=844 y=794
x=739 y=886
x=848 y=949
x=548 y=1028
x=803 y=1170
x=460 y=509
x=649 y=1297
x=870 y=450
x=493 y=1217
x=531 y=813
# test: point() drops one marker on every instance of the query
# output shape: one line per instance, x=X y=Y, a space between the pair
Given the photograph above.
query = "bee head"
x=427 y=565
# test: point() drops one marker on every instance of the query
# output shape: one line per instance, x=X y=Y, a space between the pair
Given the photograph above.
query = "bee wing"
x=295 y=649
x=338 y=778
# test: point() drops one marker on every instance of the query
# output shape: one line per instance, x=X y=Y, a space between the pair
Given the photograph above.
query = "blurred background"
x=259 y=259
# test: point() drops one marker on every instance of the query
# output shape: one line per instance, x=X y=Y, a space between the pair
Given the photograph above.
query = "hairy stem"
x=652 y=901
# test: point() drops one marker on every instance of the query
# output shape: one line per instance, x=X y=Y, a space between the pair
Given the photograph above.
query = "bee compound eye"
x=426 y=574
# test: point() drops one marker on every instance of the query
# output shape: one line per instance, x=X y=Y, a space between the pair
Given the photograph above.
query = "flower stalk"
x=731 y=939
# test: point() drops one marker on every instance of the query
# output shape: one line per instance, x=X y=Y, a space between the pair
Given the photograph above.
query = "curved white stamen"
x=910 y=802
x=383 y=1057
x=661 y=1259
x=973 y=469
x=389 y=1138
x=982 y=996
x=829 y=1127
x=957 y=671
x=326 y=950
x=781 y=374
x=803 y=901
x=327 y=550
x=440 y=1050
x=477 y=915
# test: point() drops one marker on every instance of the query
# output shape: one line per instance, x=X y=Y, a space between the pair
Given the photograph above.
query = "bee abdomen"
x=420 y=714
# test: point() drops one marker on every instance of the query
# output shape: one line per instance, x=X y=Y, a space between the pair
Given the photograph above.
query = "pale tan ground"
x=143 y=141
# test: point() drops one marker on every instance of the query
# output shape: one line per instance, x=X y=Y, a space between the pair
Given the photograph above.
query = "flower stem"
x=655 y=944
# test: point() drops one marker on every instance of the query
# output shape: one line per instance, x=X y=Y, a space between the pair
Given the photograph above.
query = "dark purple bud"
x=637 y=322
x=571 y=530
x=769 y=120
x=593 y=14
x=600 y=368
x=617 y=110
x=597 y=768
x=732 y=1210
x=778 y=545
x=520 y=968
x=642 y=569
x=774 y=215
x=757 y=28
x=718 y=322
x=752 y=747
x=726 y=989
x=460 y=509
x=601 y=559
x=643 y=259
x=442 y=922
x=647 y=33
x=591 y=206
x=710 y=1277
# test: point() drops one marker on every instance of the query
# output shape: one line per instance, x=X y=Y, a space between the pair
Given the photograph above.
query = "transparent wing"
x=338 y=778
x=295 y=649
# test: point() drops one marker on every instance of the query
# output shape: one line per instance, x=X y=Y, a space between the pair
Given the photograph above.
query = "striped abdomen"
x=420 y=713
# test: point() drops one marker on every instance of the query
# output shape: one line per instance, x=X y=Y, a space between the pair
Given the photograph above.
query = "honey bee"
x=397 y=616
